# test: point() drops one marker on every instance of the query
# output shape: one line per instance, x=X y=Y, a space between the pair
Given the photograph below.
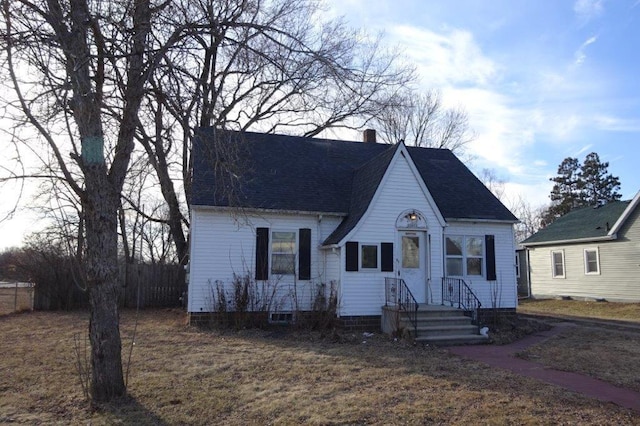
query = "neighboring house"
x=298 y=214
x=591 y=253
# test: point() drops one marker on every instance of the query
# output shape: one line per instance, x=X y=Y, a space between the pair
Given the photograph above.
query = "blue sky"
x=540 y=80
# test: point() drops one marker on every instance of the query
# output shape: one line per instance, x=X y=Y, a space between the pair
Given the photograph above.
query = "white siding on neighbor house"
x=619 y=277
x=506 y=295
x=362 y=292
x=223 y=244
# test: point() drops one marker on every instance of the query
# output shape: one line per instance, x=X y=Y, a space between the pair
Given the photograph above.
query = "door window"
x=410 y=252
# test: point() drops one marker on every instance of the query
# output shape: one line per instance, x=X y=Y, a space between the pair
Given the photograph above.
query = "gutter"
x=574 y=241
x=263 y=210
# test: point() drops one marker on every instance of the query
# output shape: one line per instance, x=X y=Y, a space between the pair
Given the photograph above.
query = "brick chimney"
x=369 y=135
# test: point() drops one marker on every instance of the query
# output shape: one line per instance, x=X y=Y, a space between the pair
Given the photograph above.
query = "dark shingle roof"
x=583 y=223
x=321 y=175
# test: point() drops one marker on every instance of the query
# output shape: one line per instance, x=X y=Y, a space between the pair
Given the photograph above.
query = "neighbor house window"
x=464 y=255
x=591 y=262
x=517 y=266
x=283 y=253
x=557 y=264
x=369 y=256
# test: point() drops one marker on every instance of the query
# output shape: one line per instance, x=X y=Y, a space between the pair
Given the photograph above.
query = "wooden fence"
x=141 y=285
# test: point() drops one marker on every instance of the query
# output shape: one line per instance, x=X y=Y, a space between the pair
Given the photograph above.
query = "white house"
x=300 y=215
x=589 y=253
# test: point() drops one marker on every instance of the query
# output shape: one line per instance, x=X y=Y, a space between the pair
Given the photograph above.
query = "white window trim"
x=361 y=245
x=586 y=263
x=553 y=265
x=295 y=253
x=517 y=265
x=464 y=257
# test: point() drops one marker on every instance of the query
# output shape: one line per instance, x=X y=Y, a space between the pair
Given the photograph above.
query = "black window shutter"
x=490 y=248
x=304 y=254
x=386 y=257
x=262 y=253
x=351 y=255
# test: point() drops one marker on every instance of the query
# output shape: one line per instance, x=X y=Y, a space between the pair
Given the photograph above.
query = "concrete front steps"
x=443 y=325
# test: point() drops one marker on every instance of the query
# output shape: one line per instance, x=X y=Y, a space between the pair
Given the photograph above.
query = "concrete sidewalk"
x=503 y=356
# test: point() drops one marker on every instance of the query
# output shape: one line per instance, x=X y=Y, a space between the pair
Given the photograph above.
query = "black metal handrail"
x=397 y=293
x=455 y=291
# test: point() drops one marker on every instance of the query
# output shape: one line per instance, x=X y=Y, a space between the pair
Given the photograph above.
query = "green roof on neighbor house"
x=584 y=224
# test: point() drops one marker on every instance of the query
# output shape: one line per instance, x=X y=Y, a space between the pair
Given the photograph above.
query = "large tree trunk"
x=101 y=264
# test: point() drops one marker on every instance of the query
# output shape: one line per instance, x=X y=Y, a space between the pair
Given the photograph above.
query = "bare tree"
x=420 y=119
x=270 y=66
x=530 y=218
x=493 y=183
x=72 y=66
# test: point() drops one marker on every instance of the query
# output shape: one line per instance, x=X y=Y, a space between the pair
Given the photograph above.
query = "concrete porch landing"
x=436 y=325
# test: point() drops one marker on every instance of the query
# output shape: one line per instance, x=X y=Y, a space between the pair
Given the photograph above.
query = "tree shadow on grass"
x=128 y=410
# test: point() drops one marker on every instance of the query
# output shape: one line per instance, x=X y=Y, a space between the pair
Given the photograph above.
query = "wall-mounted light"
x=412 y=216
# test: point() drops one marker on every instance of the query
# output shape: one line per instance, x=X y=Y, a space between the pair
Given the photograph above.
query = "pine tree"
x=577 y=185
x=565 y=194
x=598 y=186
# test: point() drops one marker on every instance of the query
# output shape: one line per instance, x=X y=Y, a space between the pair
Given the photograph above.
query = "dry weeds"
x=578 y=308
x=182 y=375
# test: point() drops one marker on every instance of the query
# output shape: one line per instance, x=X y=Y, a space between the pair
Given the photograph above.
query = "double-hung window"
x=464 y=255
x=557 y=264
x=283 y=253
x=591 y=261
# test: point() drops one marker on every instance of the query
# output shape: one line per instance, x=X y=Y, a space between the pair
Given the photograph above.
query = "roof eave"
x=625 y=214
x=571 y=241
x=476 y=220
x=263 y=210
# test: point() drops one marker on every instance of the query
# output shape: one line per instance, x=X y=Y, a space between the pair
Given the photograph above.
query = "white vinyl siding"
x=505 y=272
x=363 y=293
x=223 y=245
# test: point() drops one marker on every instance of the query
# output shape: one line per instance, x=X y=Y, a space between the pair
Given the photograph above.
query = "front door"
x=413 y=261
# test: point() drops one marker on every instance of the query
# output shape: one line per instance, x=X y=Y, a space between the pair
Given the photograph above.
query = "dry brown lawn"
x=182 y=375
x=609 y=355
x=578 y=308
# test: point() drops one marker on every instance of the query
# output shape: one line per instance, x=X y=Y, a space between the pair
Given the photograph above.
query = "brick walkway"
x=504 y=357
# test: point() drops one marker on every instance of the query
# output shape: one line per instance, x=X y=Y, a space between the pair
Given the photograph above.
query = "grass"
x=183 y=375
x=585 y=309
x=609 y=355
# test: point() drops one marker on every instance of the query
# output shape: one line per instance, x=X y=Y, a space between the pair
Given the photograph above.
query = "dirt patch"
x=511 y=329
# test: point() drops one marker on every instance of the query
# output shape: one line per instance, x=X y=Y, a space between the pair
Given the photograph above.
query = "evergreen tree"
x=598 y=186
x=577 y=185
x=565 y=194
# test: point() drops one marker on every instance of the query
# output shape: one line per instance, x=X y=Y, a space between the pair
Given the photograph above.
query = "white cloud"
x=586 y=10
x=615 y=124
x=447 y=58
x=580 y=55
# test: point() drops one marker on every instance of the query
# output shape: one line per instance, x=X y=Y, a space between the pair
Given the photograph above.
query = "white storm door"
x=413 y=261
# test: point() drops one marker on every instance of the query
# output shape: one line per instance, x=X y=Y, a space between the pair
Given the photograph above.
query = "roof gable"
x=319 y=175
x=584 y=224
